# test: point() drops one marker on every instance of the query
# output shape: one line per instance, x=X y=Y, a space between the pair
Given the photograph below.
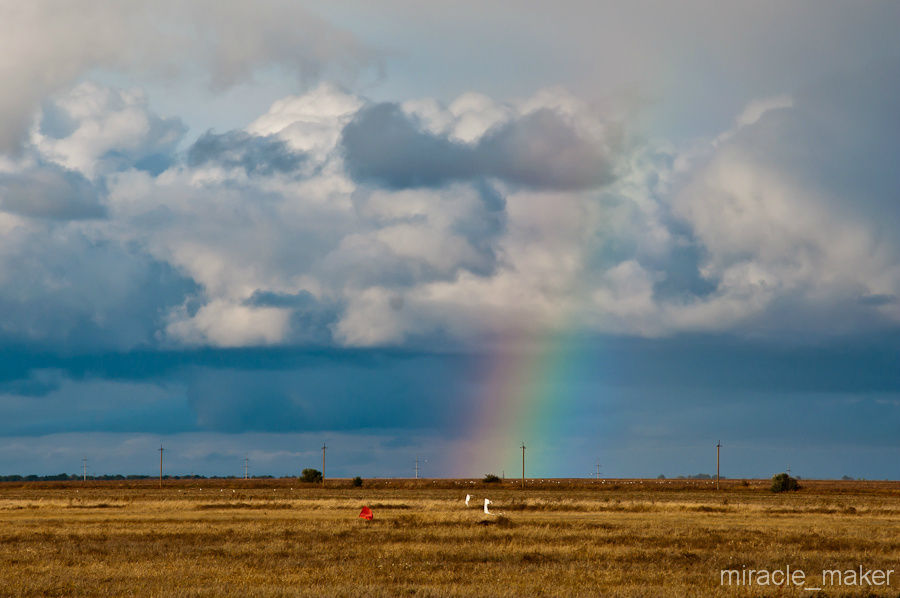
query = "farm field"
x=557 y=538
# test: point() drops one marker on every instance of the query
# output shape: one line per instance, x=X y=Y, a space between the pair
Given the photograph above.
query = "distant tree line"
x=63 y=477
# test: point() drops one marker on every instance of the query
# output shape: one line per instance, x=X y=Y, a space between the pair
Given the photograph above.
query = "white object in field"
x=468 y=498
x=486 y=503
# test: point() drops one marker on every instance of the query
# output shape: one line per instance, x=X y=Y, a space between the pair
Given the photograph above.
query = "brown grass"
x=572 y=538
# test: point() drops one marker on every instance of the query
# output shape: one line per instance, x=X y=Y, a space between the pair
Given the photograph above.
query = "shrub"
x=782 y=482
x=491 y=479
x=311 y=475
x=357 y=482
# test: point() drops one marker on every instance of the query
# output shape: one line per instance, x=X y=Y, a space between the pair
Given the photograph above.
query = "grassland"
x=557 y=538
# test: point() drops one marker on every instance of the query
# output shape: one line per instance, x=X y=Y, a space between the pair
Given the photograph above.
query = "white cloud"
x=99 y=129
x=475 y=114
x=714 y=236
x=224 y=324
x=311 y=122
x=49 y=45
x=755 y=109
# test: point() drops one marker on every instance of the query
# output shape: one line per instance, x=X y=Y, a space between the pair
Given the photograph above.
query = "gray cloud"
x=74 y=293
x=794 y=214
x=540 y=150
x=262 y=156
x=166 y=39
x=310 y=321
x=51 y=192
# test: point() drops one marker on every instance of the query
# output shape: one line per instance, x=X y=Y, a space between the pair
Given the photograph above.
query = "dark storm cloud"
x=231 y=390
x=261 y=156
x=333 y=390
x=72 y=293
x=658 y=394
x=310 y=321
x=540 y=150
x=50 y=192
x=239 y=390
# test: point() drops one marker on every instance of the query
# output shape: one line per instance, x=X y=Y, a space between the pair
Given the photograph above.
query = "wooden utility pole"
x=84 y=469
x=246 y=467
x=417 y=467
x=523 y=465
x=160 y=465
x=323 y=464
x=718 y=447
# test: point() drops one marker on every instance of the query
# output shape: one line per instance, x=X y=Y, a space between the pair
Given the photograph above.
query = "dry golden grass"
x=575 y=538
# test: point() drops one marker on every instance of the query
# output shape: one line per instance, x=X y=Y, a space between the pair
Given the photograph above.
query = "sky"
x=616 y=233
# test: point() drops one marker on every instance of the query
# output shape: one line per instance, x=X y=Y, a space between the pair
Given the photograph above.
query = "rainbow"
x=532 y=387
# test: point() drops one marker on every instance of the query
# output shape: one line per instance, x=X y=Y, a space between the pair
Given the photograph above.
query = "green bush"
x=311 y=475
x=491 y=479
x=357 y=482
x=782 y=482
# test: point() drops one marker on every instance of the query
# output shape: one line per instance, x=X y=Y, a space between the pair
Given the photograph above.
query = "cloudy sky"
x=616 y=232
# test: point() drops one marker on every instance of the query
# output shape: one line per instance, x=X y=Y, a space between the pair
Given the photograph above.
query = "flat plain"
x=555 y=538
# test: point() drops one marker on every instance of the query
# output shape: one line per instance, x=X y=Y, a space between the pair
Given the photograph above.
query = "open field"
x=558 y=538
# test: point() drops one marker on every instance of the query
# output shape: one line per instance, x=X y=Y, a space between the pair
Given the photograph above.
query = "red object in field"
x=366 y=514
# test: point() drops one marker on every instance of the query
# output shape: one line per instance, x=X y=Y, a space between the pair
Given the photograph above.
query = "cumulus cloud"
x=792 y=219
x=311 y=123
x=95 y=130
x=332 y=220
x=166 y=39
x=541 y=149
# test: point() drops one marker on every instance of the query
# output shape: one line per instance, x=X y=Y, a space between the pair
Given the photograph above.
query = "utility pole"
x=417 y=467
x=523 y=465
x=323 y=464
x=718 y=447
x=84 y=469
x=246 y=466
x=598 y=471
x=160 y=464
